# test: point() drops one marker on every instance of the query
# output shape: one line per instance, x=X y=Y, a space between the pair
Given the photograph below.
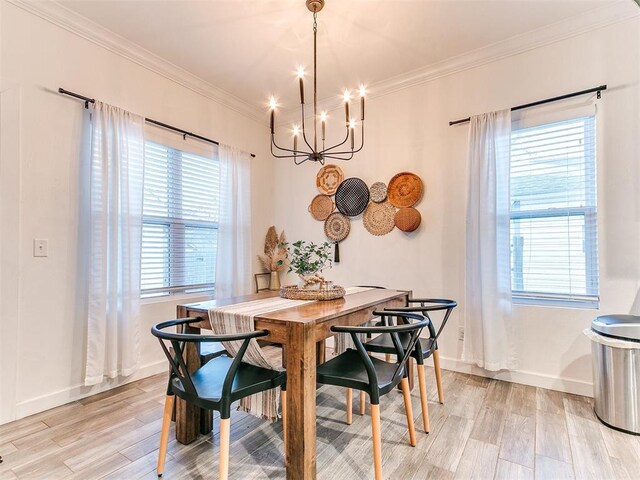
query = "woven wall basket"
x=407 y=219
x=337 y=227
x=378 y=192
x=378 y=218
x=328 y=179
x=321 y=207
x=405 y=189
x=352 y=197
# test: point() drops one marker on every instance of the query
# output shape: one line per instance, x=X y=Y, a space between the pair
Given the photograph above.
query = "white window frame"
x=591 y=299
x=177 y=227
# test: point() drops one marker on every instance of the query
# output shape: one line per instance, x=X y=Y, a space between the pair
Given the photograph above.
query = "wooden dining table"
x=299 y=329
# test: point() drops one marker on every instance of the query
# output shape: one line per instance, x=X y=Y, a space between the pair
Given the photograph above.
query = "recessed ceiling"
x=251 y=49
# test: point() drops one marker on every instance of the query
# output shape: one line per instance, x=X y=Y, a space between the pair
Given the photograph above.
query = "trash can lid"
x=626 y=327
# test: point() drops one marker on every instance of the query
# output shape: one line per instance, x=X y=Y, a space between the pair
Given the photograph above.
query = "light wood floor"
x=486 y=429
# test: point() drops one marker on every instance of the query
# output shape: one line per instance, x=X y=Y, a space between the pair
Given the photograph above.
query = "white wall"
x=408 y=130
x=42 y=326
x=41 y=331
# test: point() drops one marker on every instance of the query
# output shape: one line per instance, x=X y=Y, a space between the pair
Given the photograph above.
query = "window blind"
x=180 y=221
x=554 y=254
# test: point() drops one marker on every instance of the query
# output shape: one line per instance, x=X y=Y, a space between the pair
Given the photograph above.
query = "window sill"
x=179 y=298
x=530 y=301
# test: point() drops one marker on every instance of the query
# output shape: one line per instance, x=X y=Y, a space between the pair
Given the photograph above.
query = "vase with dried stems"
x=275 y=256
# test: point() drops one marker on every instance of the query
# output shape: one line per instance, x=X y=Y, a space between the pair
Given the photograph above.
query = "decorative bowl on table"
x=294 y=292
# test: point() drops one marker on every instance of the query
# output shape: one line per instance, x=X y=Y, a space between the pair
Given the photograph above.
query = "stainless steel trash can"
x=616 y=371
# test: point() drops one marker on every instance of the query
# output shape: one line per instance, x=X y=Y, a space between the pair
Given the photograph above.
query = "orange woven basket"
x=405 y=189
x=407 y=219
x=328 y=179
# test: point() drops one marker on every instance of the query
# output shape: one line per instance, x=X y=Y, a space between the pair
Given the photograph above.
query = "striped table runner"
x=240 y=318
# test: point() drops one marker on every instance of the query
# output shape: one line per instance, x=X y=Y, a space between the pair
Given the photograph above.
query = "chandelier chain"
x=315 y=81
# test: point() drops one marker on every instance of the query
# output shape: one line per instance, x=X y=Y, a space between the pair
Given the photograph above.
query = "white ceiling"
x=251 y=48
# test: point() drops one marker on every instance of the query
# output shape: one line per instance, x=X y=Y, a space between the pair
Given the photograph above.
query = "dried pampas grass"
x=275 y=251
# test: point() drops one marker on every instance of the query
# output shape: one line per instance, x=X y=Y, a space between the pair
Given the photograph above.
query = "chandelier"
x=308 y=141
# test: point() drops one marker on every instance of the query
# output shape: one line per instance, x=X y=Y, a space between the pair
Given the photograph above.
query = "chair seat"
x=384 y=344
x=348 y=370
x=209 y=350
x=209 y=378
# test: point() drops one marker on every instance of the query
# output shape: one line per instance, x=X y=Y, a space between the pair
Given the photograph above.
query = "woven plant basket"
x=293 y=292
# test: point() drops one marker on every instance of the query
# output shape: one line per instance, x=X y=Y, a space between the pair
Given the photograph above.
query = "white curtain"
x=116 y=193
x=488 y=339
x=234 y=256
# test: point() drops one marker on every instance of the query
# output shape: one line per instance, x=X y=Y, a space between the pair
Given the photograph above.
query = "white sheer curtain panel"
x=489 y=337
x=233 y=258
x=116 y=192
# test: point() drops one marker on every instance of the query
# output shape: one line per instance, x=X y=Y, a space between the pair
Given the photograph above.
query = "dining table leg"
x=187 y=414
x=301 y=402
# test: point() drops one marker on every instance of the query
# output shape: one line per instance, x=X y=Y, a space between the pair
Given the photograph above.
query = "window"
x=554 y=255
x=180 y=221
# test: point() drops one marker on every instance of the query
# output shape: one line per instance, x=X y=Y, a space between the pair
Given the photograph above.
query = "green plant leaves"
x=307 y=258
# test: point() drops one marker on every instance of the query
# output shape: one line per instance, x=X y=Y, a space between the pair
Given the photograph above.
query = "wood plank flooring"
x=486 y=429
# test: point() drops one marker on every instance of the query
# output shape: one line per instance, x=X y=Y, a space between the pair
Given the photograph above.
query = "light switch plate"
x=40 y=247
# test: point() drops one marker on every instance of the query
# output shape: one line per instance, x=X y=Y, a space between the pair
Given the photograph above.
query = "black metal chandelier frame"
x=313 y=153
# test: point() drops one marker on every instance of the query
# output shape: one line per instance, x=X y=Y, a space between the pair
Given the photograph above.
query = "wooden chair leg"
x=423 y=398
x=164 y=434
x=436 y=367
x=225 y=426
x=362 y=402
x=407 y=406
x=283 y=402
x=349 y=406
x=377 y=441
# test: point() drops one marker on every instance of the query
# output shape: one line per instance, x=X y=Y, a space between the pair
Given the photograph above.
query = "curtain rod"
x=542 y=102
x=184 y=133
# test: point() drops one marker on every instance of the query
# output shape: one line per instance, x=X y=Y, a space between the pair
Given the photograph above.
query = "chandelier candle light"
x=309 y=152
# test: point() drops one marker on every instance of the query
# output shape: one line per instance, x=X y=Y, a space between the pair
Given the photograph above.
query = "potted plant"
x=307 y=260
x=275 y=255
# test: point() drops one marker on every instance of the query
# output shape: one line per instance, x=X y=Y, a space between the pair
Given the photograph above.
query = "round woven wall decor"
x=337 y=227
x=352 y=197
x=328 y=179
x=405 y=189
x=378 y=218
x=378 y=192
x=407 y=219
x=321 y=206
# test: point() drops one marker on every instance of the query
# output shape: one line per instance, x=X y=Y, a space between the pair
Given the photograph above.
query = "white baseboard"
x=79 y=391
x=568 y=385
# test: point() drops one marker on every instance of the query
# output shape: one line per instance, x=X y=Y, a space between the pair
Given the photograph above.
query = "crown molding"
x=69 y=20
x=590 y=20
